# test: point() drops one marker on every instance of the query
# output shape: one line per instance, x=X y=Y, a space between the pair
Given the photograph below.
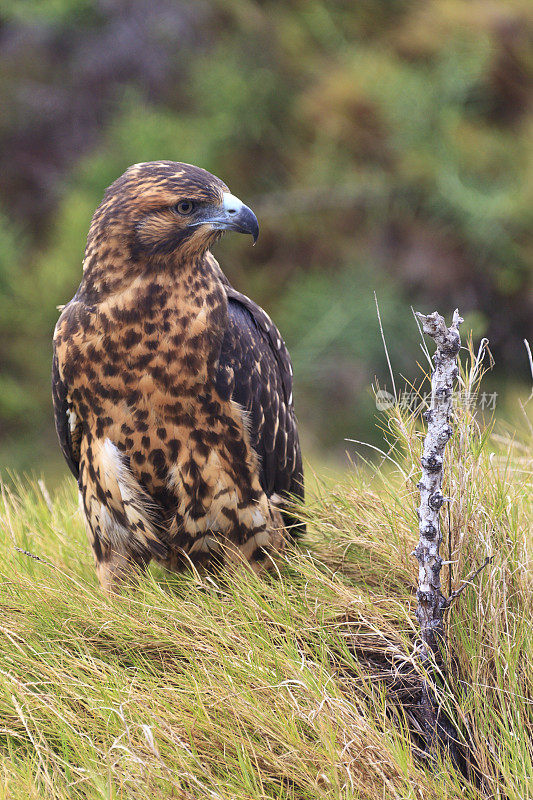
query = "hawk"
x=172 y=391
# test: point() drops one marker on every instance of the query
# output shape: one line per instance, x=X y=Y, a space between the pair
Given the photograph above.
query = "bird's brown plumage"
x=172 y=391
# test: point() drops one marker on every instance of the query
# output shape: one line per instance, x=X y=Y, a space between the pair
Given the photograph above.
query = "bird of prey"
x=172 y=391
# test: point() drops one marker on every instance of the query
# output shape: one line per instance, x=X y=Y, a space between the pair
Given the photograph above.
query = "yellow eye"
x=186 y=207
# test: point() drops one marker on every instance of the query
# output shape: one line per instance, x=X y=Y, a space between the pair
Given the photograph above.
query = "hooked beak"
x=233 y=215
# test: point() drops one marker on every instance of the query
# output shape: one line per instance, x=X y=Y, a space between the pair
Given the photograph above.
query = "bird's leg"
x=115 y=568
x=262 y=549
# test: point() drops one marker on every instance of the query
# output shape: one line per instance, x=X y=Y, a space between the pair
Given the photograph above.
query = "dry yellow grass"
x=286 y=687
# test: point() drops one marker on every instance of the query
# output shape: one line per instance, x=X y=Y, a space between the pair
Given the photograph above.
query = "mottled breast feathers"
x=255 y=371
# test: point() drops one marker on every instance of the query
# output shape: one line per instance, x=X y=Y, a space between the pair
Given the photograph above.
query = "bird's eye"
x=186 y=207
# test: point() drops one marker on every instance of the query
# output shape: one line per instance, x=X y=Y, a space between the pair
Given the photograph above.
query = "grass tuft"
x=294 y=686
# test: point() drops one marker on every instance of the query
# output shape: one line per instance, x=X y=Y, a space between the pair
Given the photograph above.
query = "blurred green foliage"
x=385 y=146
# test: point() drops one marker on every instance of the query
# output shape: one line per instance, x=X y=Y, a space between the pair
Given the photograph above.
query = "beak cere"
x=235 y=216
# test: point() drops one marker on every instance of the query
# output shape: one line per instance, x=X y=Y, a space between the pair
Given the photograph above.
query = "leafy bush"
x=382 y=144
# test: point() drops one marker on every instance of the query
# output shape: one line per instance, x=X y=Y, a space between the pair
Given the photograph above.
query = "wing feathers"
x=68 y=427
x=255 y=356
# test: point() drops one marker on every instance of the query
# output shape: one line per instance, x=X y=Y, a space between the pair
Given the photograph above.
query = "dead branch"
x=431 y=601
x=468 y=581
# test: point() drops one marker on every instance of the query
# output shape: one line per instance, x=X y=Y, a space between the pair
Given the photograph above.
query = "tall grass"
x=284 y=687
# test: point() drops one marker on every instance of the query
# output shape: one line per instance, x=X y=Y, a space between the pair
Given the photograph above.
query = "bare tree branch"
x=431 y=601
x=468 y=581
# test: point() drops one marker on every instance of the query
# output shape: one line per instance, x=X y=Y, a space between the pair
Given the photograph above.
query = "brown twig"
x=467 y=581
x=449 y=549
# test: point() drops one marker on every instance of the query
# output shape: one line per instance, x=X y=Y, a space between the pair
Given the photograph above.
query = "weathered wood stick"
x=431 y=602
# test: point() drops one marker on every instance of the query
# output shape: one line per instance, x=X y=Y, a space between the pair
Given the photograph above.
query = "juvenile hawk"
x=173 y=391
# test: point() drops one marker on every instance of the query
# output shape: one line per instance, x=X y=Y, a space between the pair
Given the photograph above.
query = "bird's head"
x=163 y=208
